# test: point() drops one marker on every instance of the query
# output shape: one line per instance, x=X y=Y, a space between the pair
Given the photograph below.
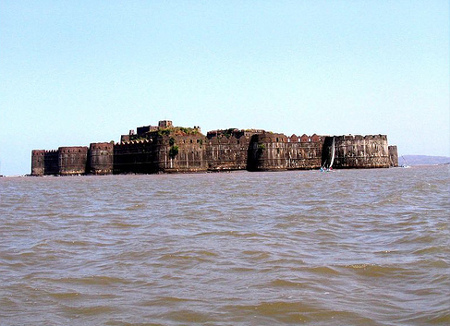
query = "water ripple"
x=362 y=247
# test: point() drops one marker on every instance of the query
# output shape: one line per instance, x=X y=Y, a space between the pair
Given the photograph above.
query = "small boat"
x=405 y=164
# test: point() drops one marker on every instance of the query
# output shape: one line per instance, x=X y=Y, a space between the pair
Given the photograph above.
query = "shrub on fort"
x=228 y=132
x=171 y=141
x=261 y=148
x=187 y=131
x=136 y=137
x=173 y=151
x=179 y=131
x=164 y=132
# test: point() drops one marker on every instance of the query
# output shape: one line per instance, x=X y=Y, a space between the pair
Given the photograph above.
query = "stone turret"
x=72 y=160
x=101 y=158
x=361 y=152
x=37 y=162
x=44 y=162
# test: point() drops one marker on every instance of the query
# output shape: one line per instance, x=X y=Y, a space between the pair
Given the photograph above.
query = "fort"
x=168 y=149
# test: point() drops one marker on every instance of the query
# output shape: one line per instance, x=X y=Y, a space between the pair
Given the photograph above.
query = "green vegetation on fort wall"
x=173 y=151
x=261 y=148
x=178 y=131
x=172 y=131
x=229 y=132
x=136 y=138
x=164 y=132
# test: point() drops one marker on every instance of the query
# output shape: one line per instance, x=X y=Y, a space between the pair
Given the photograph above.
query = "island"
x=168 y=149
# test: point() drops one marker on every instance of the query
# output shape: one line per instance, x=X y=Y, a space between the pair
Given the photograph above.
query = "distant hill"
x=423 y=160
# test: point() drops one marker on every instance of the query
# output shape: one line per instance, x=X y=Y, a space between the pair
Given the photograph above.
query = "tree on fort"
x=173 y=151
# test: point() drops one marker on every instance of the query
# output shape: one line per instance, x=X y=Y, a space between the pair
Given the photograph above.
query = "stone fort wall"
x=101 y=158
x=168 y=149
x=273 y=151
x=361 y=152
x=73 y=160
x=44 y=162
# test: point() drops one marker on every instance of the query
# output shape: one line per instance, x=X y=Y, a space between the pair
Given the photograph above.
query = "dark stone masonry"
x=168 y=149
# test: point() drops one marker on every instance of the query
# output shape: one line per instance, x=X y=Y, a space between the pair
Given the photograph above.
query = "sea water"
x=351 y=247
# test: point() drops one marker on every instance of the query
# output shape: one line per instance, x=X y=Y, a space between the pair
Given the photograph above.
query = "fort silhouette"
x=168 y=149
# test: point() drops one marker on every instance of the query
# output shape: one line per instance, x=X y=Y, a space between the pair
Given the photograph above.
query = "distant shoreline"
x=415 y=160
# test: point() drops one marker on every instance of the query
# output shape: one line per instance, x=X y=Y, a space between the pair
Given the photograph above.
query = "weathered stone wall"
x=168 y=151
x=361 y=152
x=272 y=152
x=393 y=156
x=182 y=153
x=268 y=152
x=72 y=160
x=37 y=162
x=227 y=151
x=304 y=154
x=44 y=163
x=136 y=157
x=51 y=162
x=101 y=158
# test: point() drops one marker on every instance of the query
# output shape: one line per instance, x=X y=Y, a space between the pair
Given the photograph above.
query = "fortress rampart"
x=270 y=151
x=44 y=162
x=73 y=160
x=169 y=149
x=361 y=152
x=101 y=158
x=227 y=150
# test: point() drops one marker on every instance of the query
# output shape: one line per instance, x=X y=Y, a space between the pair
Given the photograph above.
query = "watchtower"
x=165 y=124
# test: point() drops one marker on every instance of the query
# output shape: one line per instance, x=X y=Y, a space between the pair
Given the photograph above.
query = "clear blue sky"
x=76 y=72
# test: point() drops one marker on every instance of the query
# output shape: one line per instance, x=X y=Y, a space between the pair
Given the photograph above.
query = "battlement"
x=44 y=162
x=73 y=149
x=165 y=148
x=359 y=137
x=100 y=146
x=42 y=152
x=305 y=138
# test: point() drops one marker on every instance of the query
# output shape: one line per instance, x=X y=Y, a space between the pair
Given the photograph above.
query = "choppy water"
x=356 y=247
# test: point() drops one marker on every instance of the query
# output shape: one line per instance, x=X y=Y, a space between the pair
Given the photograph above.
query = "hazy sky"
x=76 y=72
